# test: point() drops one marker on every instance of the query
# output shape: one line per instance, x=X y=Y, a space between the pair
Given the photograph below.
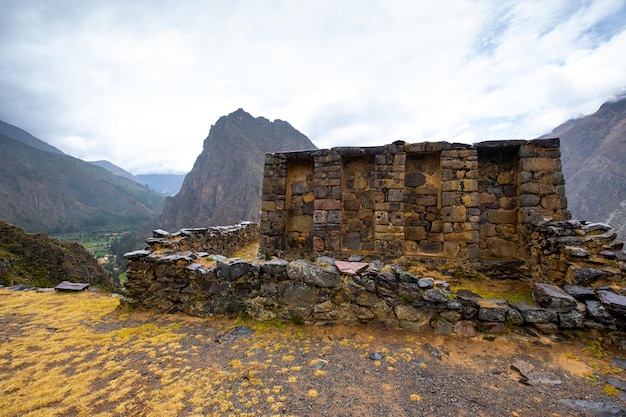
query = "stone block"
x=297 y=293
x=502 y=216
x=320 y=216
x=454 y=214
x=552 y=202
x=469 y=185
x=452 y=185
x=539 y=164
x=416 y=233
x=352 y=205
x=535 y=314
x=414 y=179
x=492 y=311
x=318 y=244
x=334 y=217
x=471 y=200
x=553 y=297
x=395 y=195
x=487 y=198
x=268 y=205
x=505 y=178
x=536 y=188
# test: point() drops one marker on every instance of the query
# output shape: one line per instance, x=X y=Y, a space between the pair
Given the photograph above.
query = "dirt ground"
x=81 y=354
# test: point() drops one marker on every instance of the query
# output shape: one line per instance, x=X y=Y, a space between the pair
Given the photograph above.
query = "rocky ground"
x=80 y=354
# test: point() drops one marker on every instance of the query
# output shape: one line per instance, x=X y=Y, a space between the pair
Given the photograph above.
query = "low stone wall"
x=575 y=255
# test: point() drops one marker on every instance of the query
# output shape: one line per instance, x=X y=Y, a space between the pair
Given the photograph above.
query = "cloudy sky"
x=140 y=83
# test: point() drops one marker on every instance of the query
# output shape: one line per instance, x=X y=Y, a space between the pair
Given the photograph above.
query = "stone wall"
x=326 y=290
x=455 y=212
x=403 y=202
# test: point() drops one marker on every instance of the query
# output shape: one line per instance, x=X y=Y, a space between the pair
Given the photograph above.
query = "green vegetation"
x=510 y=291
x=108 y=246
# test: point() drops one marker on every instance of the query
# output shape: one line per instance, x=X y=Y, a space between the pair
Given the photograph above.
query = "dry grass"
x=82 y=355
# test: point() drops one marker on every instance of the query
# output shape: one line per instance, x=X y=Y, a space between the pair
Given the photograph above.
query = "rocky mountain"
x=37 y=260
x=48 y=191
x=593 y=150
x=224 y=186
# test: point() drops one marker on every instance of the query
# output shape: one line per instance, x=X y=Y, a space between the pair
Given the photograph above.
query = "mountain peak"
x=224 y=186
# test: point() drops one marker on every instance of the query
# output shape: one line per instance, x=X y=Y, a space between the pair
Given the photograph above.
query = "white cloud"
x=140 y=83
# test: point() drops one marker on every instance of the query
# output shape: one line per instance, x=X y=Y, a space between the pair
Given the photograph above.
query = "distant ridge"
x=224 y=186
x=44 y=190
x=113 y=169
x=23 y=136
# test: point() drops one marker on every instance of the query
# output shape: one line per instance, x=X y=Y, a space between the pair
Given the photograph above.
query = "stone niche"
x=405 y=201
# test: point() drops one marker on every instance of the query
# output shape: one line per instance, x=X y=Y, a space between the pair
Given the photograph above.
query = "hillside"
x=224 y=186
x=594 y=164
x=55 y=193
x=37 y=260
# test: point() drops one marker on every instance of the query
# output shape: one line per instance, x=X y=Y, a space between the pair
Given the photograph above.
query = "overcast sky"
x=140 y=83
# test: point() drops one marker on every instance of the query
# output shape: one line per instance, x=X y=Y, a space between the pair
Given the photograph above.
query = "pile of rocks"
x=574 y=252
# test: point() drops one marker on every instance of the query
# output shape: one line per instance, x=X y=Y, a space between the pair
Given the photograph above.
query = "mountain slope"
x=40 y=261
x=42 y=191
x=224 y=186
x=593 y=152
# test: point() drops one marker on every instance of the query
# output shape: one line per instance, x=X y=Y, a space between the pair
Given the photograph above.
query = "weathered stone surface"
x=571 y=320
x=535 y=314
x=235 y=269
x=579 y=292
x=614 y=302
x=491 y=310
x=553 y=297
x=407 y=313
x=585 y=276
x=426 y=283
x=351 y=268
x=598 y=312
x=469 y=298
x=465 y=328
x=435 y=295
x=533 y=376
x=442 y=327
x=297 y=293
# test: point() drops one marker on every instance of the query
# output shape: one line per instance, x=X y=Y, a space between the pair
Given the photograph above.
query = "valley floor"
x=81 y=354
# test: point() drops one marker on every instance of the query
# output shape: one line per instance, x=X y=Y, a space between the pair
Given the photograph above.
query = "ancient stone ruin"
x=412 y=201
x=382 y=234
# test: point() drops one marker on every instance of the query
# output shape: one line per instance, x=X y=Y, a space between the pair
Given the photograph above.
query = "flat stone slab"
x=71 y=286
x=351 y=268
x=580 y=292
x=531 y=376
x=552 y=297
x=614 y=302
